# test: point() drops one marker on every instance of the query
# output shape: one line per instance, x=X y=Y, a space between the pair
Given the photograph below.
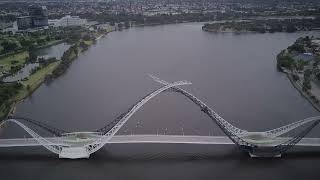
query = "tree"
x=87 y=37
x=48 y=38
x=306 y=85
x=307 y=73
x=297 y=47
x=126 y=24
x=28 y=87
x=26 y=43
x=32 y=56
x=9 y=46
x=307 y=80
x=286 y=61
x=120 y=26
x=41 y=41
x=300 y=64
x=295 y=77
x=291 y=28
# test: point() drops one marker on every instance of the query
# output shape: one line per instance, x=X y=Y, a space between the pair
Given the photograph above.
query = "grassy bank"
x=15 y=92
x=19 y=91
x=13 y=60
x=302 y=73
x=35 y=80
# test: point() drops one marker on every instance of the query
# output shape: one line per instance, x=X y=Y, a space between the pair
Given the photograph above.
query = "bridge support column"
x=74 y=153
x=265 y=155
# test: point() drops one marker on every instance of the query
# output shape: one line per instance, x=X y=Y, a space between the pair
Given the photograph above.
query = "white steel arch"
x=284 y=129
x=237 y=131
x=93 y=147
x=217 y=117
x=53 y=148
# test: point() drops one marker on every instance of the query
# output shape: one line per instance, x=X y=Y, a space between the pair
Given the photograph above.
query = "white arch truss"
x=217 y=117
x=93 y=147
x=42 y=141
x=284 y=129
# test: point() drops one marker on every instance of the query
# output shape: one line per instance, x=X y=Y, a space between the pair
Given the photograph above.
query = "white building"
x=68 y=21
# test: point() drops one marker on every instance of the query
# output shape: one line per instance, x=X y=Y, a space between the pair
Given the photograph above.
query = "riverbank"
x=300 y=62
x=49 y=72
x=32 y=84
x=306 y=95
x=263 y=25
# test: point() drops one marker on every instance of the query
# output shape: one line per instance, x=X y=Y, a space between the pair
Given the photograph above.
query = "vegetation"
x=302 y=72
x=266 y=25
x=307 y=80
x=285 y=61
x=7 y=92
x=13 y=92
x=12 y=63
x=49 y=68
x=285 y=58
x=66 y=60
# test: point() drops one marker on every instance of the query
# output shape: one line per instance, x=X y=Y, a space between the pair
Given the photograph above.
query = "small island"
x=264 y=25
x=300 y=62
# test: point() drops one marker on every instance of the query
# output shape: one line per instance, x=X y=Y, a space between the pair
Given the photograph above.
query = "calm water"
x=55 y=51
x=22 y=73
x=234 y=74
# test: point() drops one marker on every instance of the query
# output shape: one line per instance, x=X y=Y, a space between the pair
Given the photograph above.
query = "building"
x=4 y=25
x=24 y=22
x=38 y=17
x=68 y=21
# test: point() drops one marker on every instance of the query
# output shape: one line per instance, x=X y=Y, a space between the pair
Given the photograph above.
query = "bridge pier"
x=74 y=153
x=265 y=155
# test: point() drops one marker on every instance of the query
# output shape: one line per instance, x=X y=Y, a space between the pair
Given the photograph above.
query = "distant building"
x=24 y=22
x=13 y=28
x=68 y=21
x=38 y=17
x=316 y=42
x=4 y=25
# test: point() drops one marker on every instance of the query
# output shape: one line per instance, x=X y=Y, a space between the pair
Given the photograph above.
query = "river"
x=235 y=74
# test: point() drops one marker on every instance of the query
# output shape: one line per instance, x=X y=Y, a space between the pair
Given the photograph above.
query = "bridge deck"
x=124 y=139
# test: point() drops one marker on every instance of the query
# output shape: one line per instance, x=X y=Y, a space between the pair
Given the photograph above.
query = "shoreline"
x=305 y=95
x=22 y=97
x=247 y=31
x=18 y=99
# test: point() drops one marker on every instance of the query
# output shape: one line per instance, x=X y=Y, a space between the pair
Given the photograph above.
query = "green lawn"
x=35 y=80
x=20 y=57
x=89 y=43
x=3 y=110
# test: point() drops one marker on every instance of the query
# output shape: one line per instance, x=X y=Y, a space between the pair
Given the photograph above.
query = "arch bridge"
x=73 y=145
